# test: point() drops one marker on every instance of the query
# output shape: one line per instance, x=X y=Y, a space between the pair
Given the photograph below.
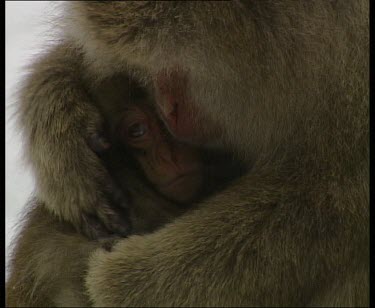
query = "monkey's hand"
x=58 y=119
x=108 y=243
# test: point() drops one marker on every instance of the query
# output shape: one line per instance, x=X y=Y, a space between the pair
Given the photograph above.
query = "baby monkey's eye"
x=137 y=130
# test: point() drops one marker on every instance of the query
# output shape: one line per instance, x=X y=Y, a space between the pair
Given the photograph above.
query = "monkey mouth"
x=182 y=188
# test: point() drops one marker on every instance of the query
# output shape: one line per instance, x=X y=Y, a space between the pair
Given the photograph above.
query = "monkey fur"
x=50 y=257
x=285 y=84
x=46 y=243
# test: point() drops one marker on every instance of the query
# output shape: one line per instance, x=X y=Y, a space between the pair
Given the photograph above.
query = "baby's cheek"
x=157 y=168
x=185 y=189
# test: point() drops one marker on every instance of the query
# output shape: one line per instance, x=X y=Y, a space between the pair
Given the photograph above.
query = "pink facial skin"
x=173 y=168
x=179 y=112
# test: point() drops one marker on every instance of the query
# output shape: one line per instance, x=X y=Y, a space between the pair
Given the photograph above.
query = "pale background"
x=26 y=29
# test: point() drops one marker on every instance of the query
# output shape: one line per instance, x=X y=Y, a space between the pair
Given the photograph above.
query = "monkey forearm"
x=48 y=263
x=50 y=258
x=229 y=253
x=57 y=118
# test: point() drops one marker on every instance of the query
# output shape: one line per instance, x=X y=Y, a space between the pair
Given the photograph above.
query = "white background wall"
x=26 y=30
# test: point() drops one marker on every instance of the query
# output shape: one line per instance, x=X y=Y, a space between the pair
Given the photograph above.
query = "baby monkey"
x=178 y=172
x=163 y=178
x=174 y=169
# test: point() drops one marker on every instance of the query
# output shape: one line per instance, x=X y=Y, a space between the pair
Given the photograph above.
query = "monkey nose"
x=170 y=93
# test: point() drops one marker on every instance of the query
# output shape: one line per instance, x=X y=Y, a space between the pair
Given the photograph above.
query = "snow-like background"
x=27 y=29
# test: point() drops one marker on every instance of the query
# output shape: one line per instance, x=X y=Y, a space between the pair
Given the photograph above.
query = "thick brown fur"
x=288 y=80
x=48 y=263
x=58 y=118
x=288 y=83
x=50 y=258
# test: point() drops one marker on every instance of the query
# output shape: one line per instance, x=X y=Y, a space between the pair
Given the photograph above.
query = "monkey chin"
x=184 y=188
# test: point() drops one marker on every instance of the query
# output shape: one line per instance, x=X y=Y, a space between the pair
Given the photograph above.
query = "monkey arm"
x=48 y=263
x=240 y=248
x=49 y=260
x=57 y=118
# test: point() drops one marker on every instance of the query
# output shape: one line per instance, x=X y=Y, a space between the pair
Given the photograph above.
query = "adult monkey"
x=286 y=83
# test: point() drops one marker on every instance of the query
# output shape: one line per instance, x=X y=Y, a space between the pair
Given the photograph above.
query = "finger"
x=98 y=143
x=115 y=219
x=92 y=228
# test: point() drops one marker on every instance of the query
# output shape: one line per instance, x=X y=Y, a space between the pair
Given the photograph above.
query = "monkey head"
x=173 y=168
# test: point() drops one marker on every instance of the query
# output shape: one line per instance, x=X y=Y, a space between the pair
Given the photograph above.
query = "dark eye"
x=137 y=130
